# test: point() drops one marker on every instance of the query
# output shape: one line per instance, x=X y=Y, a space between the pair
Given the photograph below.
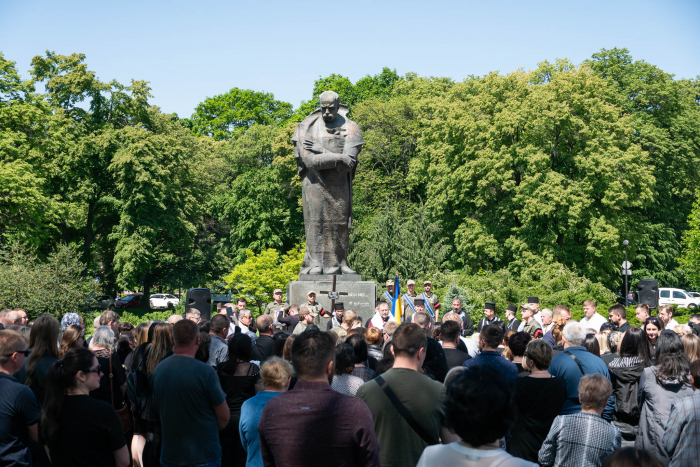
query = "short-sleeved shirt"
x=89 y=431
x=186 y=391
x=455 y=357
x=422 y=397
x=18 y=410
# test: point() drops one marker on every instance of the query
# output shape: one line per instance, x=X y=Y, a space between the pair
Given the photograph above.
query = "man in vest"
x=489 y=317
x=431 y=301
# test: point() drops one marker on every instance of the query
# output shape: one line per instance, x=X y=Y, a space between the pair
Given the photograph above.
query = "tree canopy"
x=494 y=176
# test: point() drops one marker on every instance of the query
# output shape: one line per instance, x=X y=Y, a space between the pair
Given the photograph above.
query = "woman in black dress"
x=240 y=381
x=69 y=411
x=539 y=398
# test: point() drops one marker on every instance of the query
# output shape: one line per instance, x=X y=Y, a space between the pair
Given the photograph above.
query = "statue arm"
x=315 y=156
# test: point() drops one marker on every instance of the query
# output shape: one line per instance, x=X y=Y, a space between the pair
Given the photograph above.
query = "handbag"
x=123 y=413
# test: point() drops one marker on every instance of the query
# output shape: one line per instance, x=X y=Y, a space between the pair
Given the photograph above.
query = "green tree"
x=54 y=286
x=223 y=115
x=260 y=274
x=690 y=259
x=159 y=199
x=664 y=112
x=550 y=170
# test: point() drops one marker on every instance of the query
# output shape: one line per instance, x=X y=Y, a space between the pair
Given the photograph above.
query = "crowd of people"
x=301 y=386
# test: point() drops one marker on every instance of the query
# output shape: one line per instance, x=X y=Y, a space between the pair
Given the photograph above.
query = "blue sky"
x=191 y=50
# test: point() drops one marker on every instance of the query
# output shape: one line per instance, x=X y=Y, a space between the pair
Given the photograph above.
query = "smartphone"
x=229 y=313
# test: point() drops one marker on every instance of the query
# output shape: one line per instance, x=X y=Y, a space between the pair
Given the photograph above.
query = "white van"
x=668 y=296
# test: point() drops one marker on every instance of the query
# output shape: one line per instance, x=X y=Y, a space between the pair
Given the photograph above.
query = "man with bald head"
x=326 y=147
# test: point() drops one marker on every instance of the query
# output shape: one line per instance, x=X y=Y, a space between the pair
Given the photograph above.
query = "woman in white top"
x=479 y=408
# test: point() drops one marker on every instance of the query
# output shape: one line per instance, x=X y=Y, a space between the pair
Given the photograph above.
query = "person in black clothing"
x=449 y=331
x=240 y=380
x=77 y=429
x=517 y=343
x=291 y=320
x=513 y=323
x=489 y=317
x=625 y=373
x=262 y=350
x=539 y=398
x=467 y=324
x=618 y=316
x=112 y=382
x=435 y=364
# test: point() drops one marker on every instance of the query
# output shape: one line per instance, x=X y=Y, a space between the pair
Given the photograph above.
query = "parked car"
x=129 y=301
x=161 y=300
x=101 y=302
x=693 y=294
x=669 y=296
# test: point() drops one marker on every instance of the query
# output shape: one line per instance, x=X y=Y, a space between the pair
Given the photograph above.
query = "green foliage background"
x=500 y=186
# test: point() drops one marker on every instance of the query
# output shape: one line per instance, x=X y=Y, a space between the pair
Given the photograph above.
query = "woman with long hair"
x=73 y=338
x=625 y=372
x=691 y=343
x=591 y=344
x=43 y=343
x=659 y=387
x=160 y=347
x=239 y=379
x=69 y=410
x=652 y=328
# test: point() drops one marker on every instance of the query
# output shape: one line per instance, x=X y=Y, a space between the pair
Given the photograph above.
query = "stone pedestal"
x=360 y=299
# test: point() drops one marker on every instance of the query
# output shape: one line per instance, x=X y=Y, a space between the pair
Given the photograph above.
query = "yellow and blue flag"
x=396 y=302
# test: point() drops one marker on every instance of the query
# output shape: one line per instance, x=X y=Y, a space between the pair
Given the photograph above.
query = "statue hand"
x=348 y=161
x=313 y=146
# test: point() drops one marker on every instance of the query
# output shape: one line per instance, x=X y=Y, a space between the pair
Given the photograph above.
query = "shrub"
x=54 y=286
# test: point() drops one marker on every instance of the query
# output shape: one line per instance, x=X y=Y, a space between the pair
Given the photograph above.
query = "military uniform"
x=386 y=297
x=315 y=311
x=406 y=298
x=431 y=301
x=534 y=329
x=272 y=307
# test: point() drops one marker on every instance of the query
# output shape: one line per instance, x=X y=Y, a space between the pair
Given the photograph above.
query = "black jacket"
x=625 y=382
x=262 y=350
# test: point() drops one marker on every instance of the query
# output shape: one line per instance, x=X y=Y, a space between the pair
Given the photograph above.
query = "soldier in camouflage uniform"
x=277 y=304
x=315 y=309
x=408 y=298
x=388 y=296
x=431 y=300
x=531 y=326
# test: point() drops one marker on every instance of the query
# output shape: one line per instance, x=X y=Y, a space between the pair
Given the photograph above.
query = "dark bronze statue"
x=326 y=146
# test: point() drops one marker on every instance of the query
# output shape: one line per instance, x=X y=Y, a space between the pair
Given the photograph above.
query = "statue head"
x=329 y=102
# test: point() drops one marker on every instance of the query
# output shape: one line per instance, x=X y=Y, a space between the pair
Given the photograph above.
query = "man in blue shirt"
x=19 y=410
x=575 y=362
x=191 y=403
x=490 y=338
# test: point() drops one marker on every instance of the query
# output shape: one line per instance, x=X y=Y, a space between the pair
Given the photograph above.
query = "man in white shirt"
x=592 y=320
x=666 y=315
x=547 y=323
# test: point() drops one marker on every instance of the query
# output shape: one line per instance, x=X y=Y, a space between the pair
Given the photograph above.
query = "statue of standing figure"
x=326 y=147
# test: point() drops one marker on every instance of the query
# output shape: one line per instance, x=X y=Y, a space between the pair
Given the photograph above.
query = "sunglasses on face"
x=96 y=370
x=25 y=352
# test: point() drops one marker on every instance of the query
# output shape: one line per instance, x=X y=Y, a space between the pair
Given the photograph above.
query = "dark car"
x=129 y=301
